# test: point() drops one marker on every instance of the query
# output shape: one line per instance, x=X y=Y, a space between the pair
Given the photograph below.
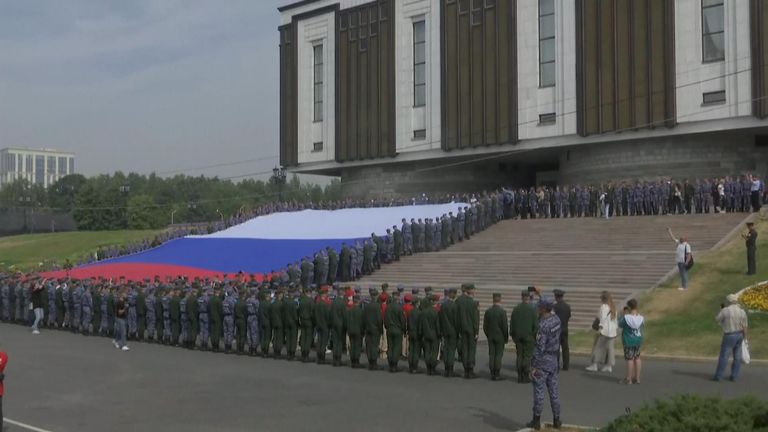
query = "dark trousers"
x=751 y=261
x=430 y=353
x=495 y=354
x=394 y=348
x=337 y=342
x=564 y=349
x=266 y=337
x=755 y=201
x=372 y=347
x=524 y=350
x=355 y=348
x=322 y=343
x=449 y=351
x=290 y=340
x=468 y=350
x=414 y=352
x=277 y=340
x=307 y=333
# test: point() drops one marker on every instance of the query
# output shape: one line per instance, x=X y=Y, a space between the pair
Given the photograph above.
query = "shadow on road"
x=495 y=420
x=600 y=376
x=706 y=376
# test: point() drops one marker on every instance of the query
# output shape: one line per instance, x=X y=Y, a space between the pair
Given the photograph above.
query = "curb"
x=674 y=358
x=569 y=426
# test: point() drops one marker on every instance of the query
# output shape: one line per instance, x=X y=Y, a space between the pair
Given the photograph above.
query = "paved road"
x=63 y=382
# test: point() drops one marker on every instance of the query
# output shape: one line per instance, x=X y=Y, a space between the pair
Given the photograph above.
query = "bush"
x=696 y=413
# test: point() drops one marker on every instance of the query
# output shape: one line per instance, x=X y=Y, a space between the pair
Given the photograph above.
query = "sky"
x=165 y=86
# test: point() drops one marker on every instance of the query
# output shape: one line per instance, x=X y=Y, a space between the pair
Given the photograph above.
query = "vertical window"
x=12 y=162
x=546 y=43
x=29 y=164
x=51 y=165
x=419 y=65
x=40 y=170
x=712 y=30
x=318 y=80
x=62 y=166
x=71 y=165
x=19 y=163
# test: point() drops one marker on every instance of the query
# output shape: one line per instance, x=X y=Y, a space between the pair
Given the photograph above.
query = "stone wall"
x=689 y=156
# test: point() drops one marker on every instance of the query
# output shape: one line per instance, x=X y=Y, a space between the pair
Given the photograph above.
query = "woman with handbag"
x=683 y=258
x=603 y=353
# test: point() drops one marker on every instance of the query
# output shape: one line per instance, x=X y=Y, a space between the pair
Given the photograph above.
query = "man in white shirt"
x=683 y=258
x=756 y=189
x=733 y=321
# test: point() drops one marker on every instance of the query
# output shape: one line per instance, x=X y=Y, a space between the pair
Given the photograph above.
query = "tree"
x=143 y=213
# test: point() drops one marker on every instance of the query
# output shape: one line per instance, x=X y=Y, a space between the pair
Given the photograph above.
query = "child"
x=631 y=325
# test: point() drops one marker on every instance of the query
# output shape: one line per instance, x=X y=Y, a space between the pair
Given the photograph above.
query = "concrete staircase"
x=583 y=257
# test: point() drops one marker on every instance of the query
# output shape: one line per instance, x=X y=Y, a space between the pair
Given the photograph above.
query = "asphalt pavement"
x=60 y=382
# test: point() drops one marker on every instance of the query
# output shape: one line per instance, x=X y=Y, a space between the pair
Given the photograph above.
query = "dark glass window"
x=712 y=30
x=546 y=43
x=419 y=64
x=318 y=82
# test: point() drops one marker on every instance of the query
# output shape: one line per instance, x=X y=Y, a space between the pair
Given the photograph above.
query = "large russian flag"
x=259 y=246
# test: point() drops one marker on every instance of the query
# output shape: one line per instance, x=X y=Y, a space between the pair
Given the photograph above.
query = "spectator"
x=3 y=363
x=756 y=189
x=604 y=349
x=733 y=321
x=37 y=305
x=683 y=258
x=631 y=325
x=121 y=313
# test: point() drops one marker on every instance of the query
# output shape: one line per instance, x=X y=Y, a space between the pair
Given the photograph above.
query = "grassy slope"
x=27 y=251
x=683 y=323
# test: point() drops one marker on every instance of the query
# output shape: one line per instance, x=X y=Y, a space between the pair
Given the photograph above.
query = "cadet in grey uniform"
x=545 y=370
x=407 y=238
x=252 y=307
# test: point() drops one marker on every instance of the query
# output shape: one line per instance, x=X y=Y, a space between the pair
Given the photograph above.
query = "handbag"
x=745 y=357
x=596 y=324
x=689 y=264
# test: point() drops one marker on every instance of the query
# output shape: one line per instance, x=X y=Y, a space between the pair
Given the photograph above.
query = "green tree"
x=143 y=213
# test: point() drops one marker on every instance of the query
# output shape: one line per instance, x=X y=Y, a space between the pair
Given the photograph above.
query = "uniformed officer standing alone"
x=544 y=372
x=751 y=242
x=495 y=329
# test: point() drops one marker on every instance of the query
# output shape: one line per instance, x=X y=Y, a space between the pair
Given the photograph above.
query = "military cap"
x=414 y=291
x=401 y=288
x=467 y=286
x=408 y=298
x=452 y=291
x=546 y=304
x=559 y=293
x=428 y=289
x=525 y=293
x=496 y=296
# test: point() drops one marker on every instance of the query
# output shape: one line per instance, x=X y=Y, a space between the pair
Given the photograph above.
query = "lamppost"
x=220 y=214
x=278 y=178
x=124 y=191
x=172 y=213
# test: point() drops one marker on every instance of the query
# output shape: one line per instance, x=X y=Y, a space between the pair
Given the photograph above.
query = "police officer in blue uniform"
x=545 y=370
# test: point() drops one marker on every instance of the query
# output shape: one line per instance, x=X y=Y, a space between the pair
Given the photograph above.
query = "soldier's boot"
x=556 y=423
x=227 y=349
x=203 y=346
x=141 y=338
x=535 y=424
x=498 y=375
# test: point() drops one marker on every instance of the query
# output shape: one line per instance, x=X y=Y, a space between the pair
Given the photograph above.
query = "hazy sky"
x=143 y=85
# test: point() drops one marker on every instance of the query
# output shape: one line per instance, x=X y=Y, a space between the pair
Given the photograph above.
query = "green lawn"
x=27 y=251
x=683 y=323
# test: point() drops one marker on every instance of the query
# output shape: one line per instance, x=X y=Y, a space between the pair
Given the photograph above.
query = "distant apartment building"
x=40 y=167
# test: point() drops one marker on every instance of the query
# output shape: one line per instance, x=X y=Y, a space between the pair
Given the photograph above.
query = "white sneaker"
x=125 y=348
x=114 y=342
x=592 y=368
x=35 y=331
x=681 y=289
x=606 y=369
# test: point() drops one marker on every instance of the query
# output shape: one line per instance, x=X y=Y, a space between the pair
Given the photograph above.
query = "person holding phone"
x=683 y=258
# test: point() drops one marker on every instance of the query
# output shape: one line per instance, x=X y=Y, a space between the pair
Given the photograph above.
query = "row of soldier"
x=269 y=319
x=415 y=236
x=728 y=194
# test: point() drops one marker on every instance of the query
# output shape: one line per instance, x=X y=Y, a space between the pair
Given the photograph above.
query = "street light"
x=172 y=213
x=278 y=178
x=220 y=214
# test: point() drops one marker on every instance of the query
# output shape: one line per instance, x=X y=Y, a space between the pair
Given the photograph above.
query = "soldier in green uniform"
x=141 y=314
x=158 y=313
x=372 y=323
x=353 y=324
x=306 y=323
x=264 y=321
x=60 y=306
x=322 y=319
x=523 y=324
x=496 y=330
x=276 y=320
x=429 y=328
x=413 y=313
x=398 y=236
x=96 y=309
x=333 y=265
x=344 y=260
x=216 y=316
x=469 y=328
x=175 y=317
x=192 y=311
x=449 y=328
x=241 y=321
x=290 y=324
x=338 y=307
x=395 y=323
